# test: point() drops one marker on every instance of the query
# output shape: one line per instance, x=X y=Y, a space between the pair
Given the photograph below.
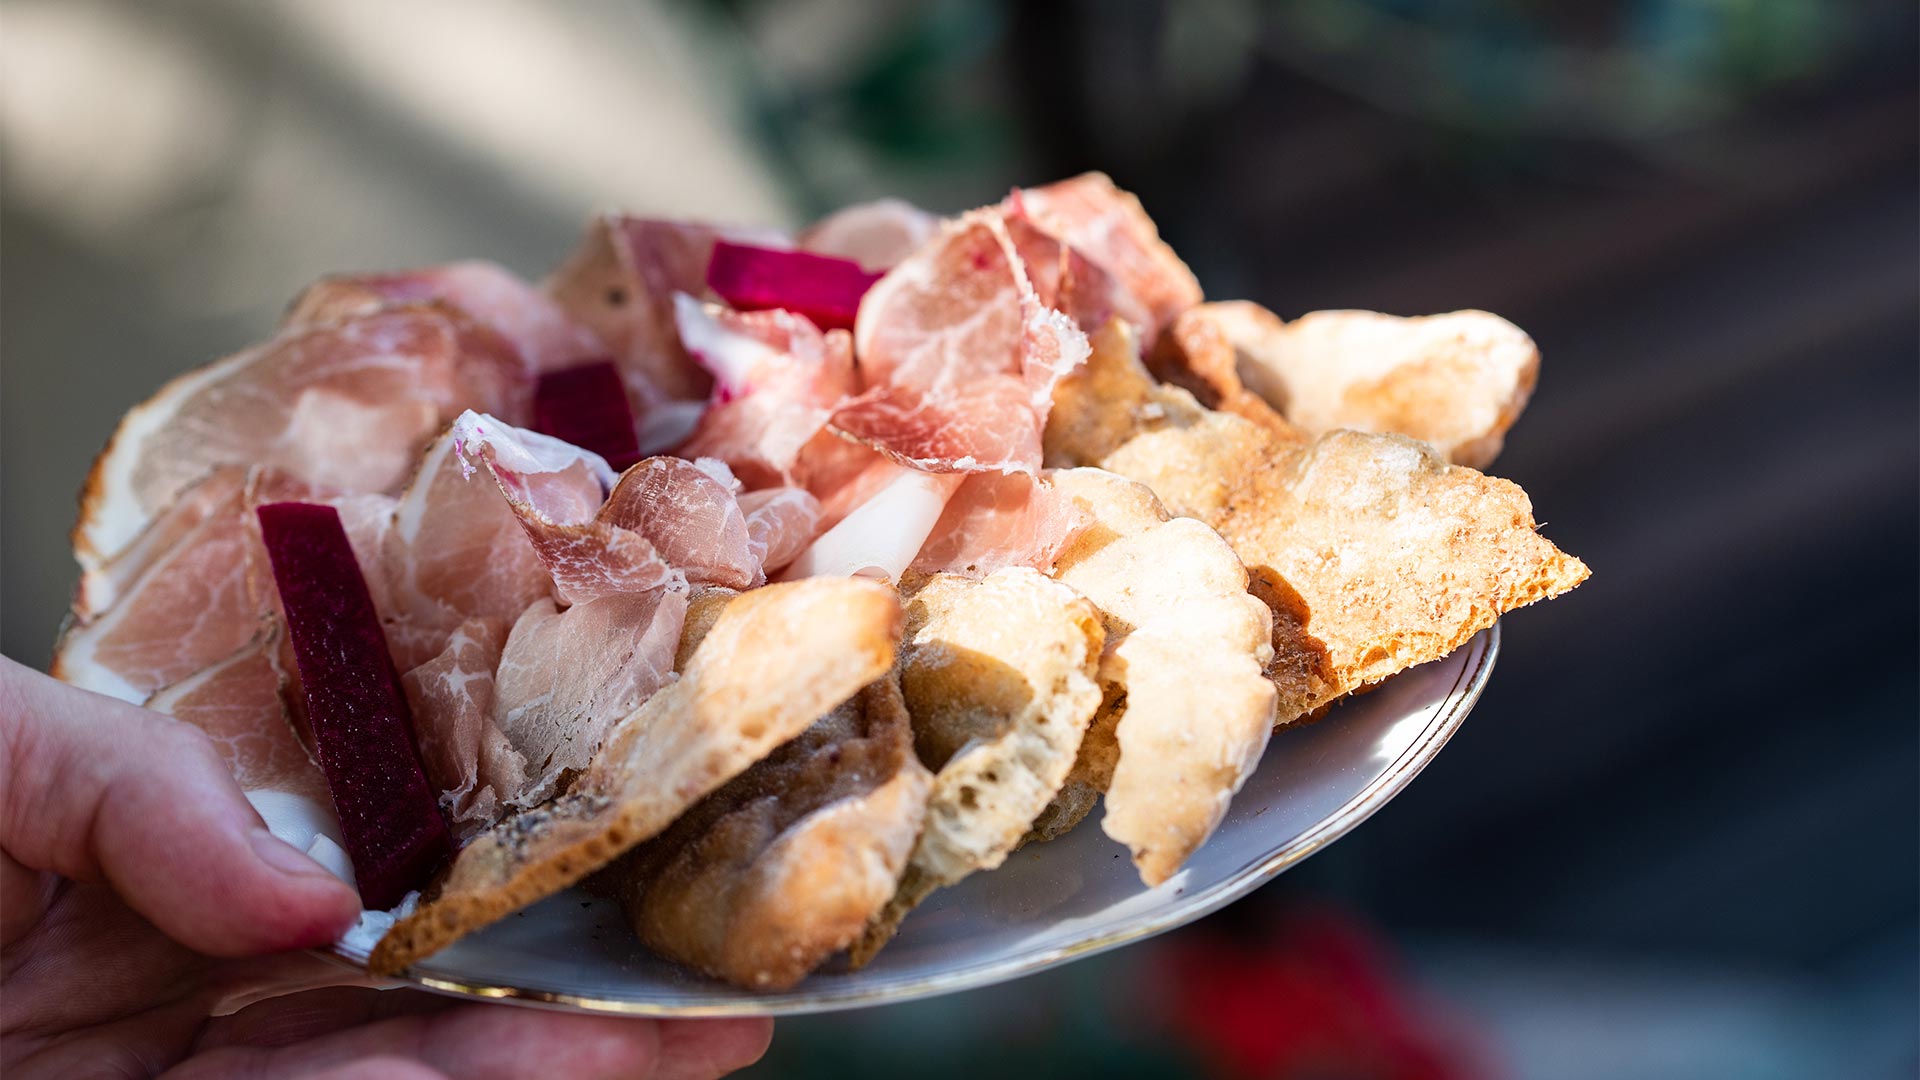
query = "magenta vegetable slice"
x=587 y=406
x=362 y=729
x=821 y=287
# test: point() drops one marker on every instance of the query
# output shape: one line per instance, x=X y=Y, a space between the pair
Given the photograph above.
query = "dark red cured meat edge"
x=362 y=728
x=822 y=288
x=586 y=405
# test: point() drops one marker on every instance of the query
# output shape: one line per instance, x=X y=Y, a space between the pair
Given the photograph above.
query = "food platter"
x=1050 y=904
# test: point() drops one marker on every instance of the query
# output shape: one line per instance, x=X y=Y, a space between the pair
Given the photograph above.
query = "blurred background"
x=1678 y=837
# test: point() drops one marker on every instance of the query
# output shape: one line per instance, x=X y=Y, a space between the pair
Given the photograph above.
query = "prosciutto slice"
x=566 y=676
x=470 y=761
x=776 y=381
x=995 y=521
x=620 y=283
x=455 y=552
x=509 y=329
x=382 y=384
x=184 y=606
x=1108 y=227
x=959 y=357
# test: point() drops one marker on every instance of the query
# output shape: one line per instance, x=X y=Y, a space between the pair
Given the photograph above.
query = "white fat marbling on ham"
x=881 y=536
x=777 y=380
x=566 y=676
x=690 y=515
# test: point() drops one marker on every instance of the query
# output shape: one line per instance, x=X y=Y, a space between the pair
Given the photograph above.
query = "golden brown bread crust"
x=1456 y=381
x=1183 y=668
x=998 y=674
x=1373 y=553
x=766 y=878
x=778 y=658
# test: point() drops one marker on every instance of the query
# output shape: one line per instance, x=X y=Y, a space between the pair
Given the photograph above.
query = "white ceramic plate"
x=1049 y=904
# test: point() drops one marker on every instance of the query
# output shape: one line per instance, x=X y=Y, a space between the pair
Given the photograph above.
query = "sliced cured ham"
x=777 y=379
x=237 y=702
x=958 y=357
x=565 y=677
x=540 y=333
x=620 y=282
x=995 y=521
x=1113 y=232
x=456 y=551
x=469 y=760
x=878 y=235
x=382 y=385
x=689 y=516
x=188 y=608
x=781 y=522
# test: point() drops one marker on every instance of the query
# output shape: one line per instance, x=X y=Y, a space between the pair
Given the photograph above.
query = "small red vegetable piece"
x=824 y=289
x=587 y=406
x=362 y=729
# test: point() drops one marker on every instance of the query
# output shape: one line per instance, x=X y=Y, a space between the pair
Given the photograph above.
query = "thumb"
x=96 y=789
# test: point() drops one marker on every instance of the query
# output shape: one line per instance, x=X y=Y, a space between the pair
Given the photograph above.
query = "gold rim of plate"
x=849 y=992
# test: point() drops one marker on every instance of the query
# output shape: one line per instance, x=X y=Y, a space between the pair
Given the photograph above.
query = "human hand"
x=146 y=916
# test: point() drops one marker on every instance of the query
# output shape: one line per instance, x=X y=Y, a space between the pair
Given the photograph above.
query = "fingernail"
x=283 y=857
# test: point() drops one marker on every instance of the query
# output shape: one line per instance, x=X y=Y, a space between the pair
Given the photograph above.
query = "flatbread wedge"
x=998 y=674
x=777 y=659
x=1456 y=381
x=1183 y=669
x=1373 y=553
x=766 y=878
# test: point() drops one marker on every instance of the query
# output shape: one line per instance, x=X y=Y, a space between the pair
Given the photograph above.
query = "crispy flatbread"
x=1456 y=381
x=998 y=674
x=1373 y=553
x=1183 y=669
x=766 y=878
x=777 y=659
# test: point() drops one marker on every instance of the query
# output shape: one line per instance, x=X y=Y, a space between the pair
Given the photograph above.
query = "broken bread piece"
x=763 y=880
x=1373 y=554
x=998 y=674
x=1456 y=381
x=1186 y=648
x=776 y=660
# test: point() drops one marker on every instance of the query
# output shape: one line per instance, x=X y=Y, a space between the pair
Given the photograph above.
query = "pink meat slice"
x=777 y=379
x=1110 y=228
x=237 y=701
x=541 y=335
x=381 y=385
x=781 y=522
x=620 y=283
x=958 y=357
x=994 y=521
x=566 y=676
x=470 y=761
x=689 y=516
x=556 y=491
x=455 y=552
x=878 y=235
x=187 y=608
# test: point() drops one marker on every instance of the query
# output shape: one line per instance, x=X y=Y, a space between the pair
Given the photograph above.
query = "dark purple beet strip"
x=824 y=289
x=587 y=406
x=362 y=729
